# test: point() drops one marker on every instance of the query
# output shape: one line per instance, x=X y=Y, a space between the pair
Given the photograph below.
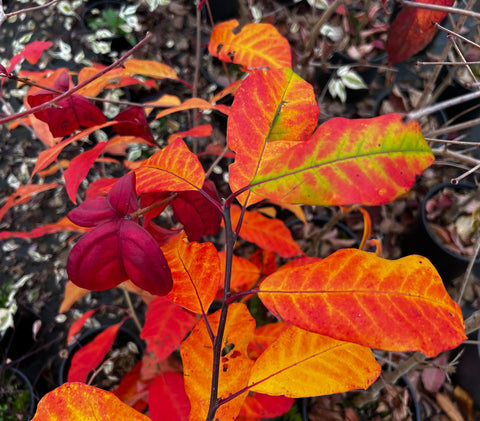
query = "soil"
x=36 y=267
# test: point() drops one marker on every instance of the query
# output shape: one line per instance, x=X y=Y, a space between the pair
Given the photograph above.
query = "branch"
x=79 y=86
x=439 y=8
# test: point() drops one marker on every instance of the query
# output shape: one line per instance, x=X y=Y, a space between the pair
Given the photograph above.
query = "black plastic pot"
x=123 y=337
x=17 y=398
x=421 y=240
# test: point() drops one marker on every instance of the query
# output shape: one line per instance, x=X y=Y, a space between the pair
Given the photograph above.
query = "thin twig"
x=4 y=16
x=439 y=8
x=132 y=311
x=415 y=115
x=468 y=41
x=469 y=269
x=318 y=26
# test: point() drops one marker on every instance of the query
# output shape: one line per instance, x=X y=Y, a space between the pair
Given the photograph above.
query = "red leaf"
x=412 y=30
x=78 y=169
x=198 y=131
x=92 y=354
x=133 y=389
x=198 y=215
x=123 y=196
x=31 y=52
x=92 y=212
x=75 y=328
x=115 y=251
x=259 y=405
x=133 y=123
x=166 y=325
x=69 y=114
x=167 y=398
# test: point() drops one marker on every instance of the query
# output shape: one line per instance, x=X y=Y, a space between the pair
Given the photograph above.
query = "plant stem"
x=68 y=93
x=131 y=308
x=439 y=8
x=469 y=269
x=415 y=115
x=318 y=26
x=218 y=342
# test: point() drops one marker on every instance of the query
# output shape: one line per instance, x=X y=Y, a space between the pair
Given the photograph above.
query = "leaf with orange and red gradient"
x=133 y=389
x=49 y=155
x=365 y=161
x=63 y=224
x=81 y=402
x=91 y=355
x=71 y=295
x=254 y=45
x=195 y=271
x=272 y=111
x=258 y=406
x=412 y=30
x=174 y=168
x=79 y=168
x=166 y=325
x=266 y=233
x=265 y=261
x=301 y=364
x=235 y=366
x=149 y=68
x=352 y=295
x=23 y=194
x=244 y=273
x=194 y=103
x=167 y=398
x=264 y=336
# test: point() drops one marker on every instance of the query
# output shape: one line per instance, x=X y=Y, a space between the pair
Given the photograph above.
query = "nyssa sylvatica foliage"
x=330 y=312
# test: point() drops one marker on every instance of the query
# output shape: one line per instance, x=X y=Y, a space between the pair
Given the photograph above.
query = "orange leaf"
x=254 y=45
x=149 y=68
x=195 y=270
x=271 y=112
x=193 y=103
x=301 y=364
x=23 y=195
x=63 y=225
x=80 y=402
x=364 y=161
x=92 y=354
x=268 y=234
x=264 y=336
x=244 y=273
x=71 y=296
x=198 y=131
x=96 y=86
x=356 y=296
x=197 y=357
x=174 y=168
x=78 y=169
x=166 y=325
